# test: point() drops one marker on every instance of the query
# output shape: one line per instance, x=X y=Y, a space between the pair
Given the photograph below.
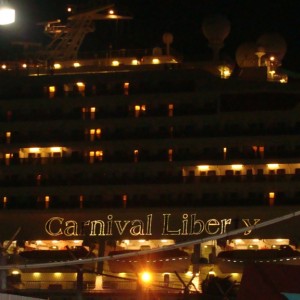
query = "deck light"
x=146 y=277
x=7 y=14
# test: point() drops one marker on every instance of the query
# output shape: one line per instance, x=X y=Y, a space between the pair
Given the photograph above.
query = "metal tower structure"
x=67 y=39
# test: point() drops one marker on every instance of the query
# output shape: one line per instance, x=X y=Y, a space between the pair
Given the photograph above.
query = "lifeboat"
x=233 y=261
x=160 y=262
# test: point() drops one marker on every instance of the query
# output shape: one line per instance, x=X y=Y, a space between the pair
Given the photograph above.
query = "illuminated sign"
x=166 y=225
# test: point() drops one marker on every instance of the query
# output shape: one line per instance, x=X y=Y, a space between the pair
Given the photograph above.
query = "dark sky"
x=183 y=18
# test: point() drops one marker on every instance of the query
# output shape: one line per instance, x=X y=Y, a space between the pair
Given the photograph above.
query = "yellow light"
x=7 y=15
x=146 y=277
x=273 y=166
x=76 y=64
x=3 y=67
x=115 y=63
x=203 y=168
x=155 y=61
x=237 y=167
x=57 y=274
x=135 y=62
x=24 y=66
x=15 y=272
x=93 y=109
x=55 y=149
x=212 y=273
x=57 y=66
x=271 y=195
x=34 y=150
x=111 y=12
x=51 y=89
x=36 y=274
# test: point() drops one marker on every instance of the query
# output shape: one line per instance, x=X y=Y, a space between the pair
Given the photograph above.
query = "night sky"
x=183 y=18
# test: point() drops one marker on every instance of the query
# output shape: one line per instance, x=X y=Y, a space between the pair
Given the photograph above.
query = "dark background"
x=151 y=18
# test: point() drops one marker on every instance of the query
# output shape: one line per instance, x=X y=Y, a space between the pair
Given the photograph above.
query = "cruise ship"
x=140 y=150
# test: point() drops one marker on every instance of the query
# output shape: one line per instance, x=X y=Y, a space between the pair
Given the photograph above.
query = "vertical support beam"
x=101 y=252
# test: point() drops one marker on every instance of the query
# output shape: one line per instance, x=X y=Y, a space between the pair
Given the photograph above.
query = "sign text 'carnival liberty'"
x=164 y=224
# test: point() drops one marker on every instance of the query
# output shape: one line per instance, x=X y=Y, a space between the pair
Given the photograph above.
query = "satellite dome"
x=168 y=38
x=274 y=44
x=246 y=55
x=216 y=28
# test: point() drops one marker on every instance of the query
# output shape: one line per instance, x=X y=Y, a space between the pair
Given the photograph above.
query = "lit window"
x=170 y=154
x=92 y=157
x=124 y=201
x=81 y=199
x=171 y=110
x=224 y=152
x=47 y=200
x=271 y=198
x=8 y=137
x=51 y=91
x=4 y=202
x=136 y=155
x=81 y=88
x=126 y=88
x=92 y=134
x=98 y=133
x=99 y=155
x=92 y=113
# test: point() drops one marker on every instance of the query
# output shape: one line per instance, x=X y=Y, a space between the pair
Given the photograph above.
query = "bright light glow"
x=57 y=66
x=15 y=272
x=155 y=61
x=111 y=12
x=212 y=273
x=225 y=72
x=57 y=274
x=135 y=62
x=76 y=64
x=273 y=166
x=34 y=150
x=7 y=15
x=52 y=89
x=237 y=167
x=80 y=84
x=203 y=168
x=3 y=67
x=36 y=274
x=115 y=63
x=146 y=277
x=24 y=66
x=271 y=195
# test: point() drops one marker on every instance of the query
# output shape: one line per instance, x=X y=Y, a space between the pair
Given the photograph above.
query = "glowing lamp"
x=7 y=14
x=146 y=277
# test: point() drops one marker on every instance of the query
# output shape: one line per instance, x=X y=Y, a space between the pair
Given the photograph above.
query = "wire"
x=151 y=251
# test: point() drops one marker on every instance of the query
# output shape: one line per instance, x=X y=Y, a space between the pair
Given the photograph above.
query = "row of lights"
x=238 y=167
